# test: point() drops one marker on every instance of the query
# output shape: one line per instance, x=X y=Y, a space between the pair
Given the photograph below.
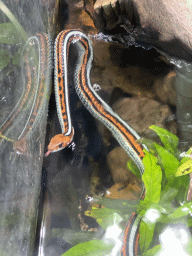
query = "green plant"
x=11 y=33
x=17 y=26
x=166 y=185
x=166 y=189
x=9 y=36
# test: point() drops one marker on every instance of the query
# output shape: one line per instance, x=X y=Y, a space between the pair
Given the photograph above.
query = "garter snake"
x=125 y=135
x=36 y=89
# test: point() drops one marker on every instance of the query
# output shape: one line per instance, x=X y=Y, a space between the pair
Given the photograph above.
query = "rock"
x=117 y=160
x=102 y=55
x=141 y=112
x=131 y=80
x=164 y=88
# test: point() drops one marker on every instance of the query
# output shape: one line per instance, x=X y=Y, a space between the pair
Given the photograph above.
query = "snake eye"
x=60 y=145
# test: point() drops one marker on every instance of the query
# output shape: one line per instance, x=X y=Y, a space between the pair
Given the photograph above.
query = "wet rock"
x=141 y=112
x=102 y=55
x=164 y=88
x=117 y=160
x=131 y=80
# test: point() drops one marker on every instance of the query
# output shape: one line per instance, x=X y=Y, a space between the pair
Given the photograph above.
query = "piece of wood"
x=164 y=24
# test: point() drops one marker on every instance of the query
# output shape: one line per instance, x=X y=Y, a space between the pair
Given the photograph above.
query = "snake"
x=126 y=136
x=36 y=89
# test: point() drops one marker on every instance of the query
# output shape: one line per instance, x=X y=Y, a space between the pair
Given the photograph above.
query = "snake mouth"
x=46 y=154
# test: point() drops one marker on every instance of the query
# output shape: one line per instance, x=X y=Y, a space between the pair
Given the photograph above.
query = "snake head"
x=21 y=146
x=59 y=142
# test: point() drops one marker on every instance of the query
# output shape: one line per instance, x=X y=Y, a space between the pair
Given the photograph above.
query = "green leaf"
x=16 y=59
x=188 y=247
x=4 y=58
x=183 y=190
x=153 y=251
x=146 y=235
x=105 y=217
x=120 y=204
x=168 y=195
x=184 y=169
x=189 y=222
x=186 y=157
x=150 y=145
x=169 y=140
x=8 y=34
x=168 y=161
x=166 y=201
x=91 y=248
x=73 y=237
x=183 y=210
x=133 y=168
x=181 y=184
x=152 y=178
x=184 y=181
